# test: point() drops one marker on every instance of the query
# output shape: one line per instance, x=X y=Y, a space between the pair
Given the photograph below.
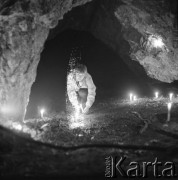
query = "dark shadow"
x=111 y=76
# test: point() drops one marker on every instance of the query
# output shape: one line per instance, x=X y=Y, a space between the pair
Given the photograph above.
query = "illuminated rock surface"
x=24 y=27
x=123 y=25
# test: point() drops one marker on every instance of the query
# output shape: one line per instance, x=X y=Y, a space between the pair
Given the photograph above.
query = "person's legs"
x=82 y=96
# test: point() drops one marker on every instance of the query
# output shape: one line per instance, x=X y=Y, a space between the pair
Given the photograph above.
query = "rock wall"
x=126 y=26
x=150 y=20
x=137 y=21
x=24 y=27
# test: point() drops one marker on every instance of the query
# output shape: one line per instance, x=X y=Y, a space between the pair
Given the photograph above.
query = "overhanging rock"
x=150 y=19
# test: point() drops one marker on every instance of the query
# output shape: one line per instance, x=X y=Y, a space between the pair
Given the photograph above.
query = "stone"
x=24 y=27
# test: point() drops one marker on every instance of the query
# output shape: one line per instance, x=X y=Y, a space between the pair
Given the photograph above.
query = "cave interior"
x=128 y=46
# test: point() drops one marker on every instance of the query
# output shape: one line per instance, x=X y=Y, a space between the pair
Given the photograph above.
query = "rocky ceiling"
x=143 y=32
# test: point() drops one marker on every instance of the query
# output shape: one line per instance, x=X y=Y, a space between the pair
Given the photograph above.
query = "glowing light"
x=7 y=109
x=157 y=42
x=134 y=98
x=169 y=105
x=17 y=126
x=77 y=124
x=77 y=121
x=156 y=95
x=77 y=118
x=131 y=96
x=42 y=111
x=170 y=96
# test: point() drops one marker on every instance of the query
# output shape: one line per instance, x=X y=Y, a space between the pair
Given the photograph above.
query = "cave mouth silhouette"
x=110 y=74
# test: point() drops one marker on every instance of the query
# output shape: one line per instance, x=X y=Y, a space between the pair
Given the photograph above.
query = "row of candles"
x=169 y=104
x=134 y=97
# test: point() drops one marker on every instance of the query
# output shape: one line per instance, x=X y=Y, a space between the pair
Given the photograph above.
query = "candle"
x=135 y=98
x=156 y=94
x=169 y=105
x=170 y=96
x=131 y=96
x=42 y=113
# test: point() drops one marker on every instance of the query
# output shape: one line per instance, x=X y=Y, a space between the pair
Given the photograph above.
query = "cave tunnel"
x=130 y=48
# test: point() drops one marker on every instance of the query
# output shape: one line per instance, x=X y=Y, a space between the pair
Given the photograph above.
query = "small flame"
x=169 y=105
x=77 y=118
x=170 y=96
x=156 y=95
x=131 y=96
x=42 y=111
x=134 y=98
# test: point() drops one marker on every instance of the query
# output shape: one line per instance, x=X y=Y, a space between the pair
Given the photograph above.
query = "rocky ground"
x=136 y=130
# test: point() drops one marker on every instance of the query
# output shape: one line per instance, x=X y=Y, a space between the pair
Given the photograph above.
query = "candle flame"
x=169 y=105
x=131 y=96
x=156 y=94
x=135 y=98
x=42 y=111
x=170 y=96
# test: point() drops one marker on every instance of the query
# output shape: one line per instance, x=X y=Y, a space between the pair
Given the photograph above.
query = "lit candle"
x=42 y=113
x=131 y=96
x=170 y=96
x=134 y=98
x=169 y=105
x=156 y=94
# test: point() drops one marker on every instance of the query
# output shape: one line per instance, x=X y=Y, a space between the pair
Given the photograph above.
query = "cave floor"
x=142 y=122
x=136 y=130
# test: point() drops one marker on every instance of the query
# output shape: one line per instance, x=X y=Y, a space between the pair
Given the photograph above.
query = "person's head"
x=80 y=71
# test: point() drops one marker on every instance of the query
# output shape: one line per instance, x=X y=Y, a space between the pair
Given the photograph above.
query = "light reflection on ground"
x=76 y=120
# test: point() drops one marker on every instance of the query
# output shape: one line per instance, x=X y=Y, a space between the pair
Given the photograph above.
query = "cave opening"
x=110 y=74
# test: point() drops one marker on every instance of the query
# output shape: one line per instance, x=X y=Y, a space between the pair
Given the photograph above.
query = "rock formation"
x=24 y=27
x=130 y=27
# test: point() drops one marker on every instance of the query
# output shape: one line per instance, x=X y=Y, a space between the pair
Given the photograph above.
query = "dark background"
x=110 y=75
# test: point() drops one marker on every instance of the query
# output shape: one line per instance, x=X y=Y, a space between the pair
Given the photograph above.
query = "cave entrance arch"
x=110 y=74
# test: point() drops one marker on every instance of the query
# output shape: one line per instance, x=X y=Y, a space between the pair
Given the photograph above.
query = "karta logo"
x=118 y=167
